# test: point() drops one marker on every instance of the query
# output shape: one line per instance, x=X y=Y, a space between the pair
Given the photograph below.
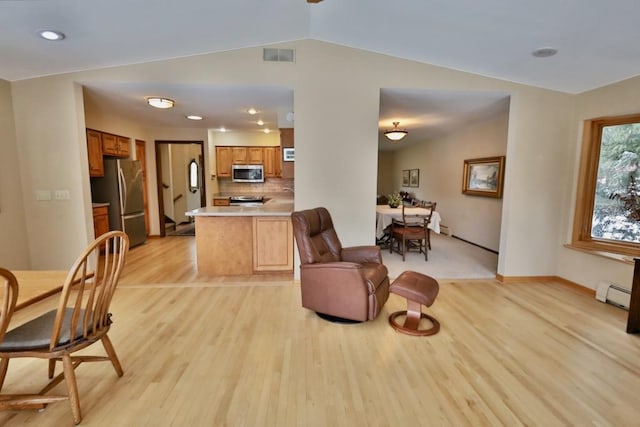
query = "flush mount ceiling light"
x=544 y=52
x=266 y=130
x=252 y=111
x=194 y=117
x=160 y=102
x=260 y=122
x=51 y=35
x=222 y=129
x=395 y=134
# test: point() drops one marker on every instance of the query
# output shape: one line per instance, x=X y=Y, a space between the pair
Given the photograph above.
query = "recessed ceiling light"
x=222 y=129
x=544 y=52
x=260 y=122
x=160 y=102
x=266 y=130
x=252 y=111
x=194 y=117
x=51 y=35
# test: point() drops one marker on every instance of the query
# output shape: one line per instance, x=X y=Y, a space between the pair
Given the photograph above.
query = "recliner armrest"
x=362 y=254
x=343 y=265
x=340 y=275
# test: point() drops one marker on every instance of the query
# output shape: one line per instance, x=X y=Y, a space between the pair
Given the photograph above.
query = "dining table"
x=385 y=215
x=36 y=285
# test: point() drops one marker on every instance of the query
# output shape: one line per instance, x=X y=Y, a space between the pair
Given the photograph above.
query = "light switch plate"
x=43 y=195
x=62 y=195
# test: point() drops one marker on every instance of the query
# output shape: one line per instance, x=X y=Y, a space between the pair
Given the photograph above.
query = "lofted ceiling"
x=597 y=41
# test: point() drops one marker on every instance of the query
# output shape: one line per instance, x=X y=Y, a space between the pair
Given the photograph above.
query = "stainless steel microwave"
x=247 y=173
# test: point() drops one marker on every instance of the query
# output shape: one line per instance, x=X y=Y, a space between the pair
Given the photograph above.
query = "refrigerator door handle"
x=123 y=188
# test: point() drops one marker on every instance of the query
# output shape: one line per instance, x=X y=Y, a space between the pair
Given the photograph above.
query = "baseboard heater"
x=613 y=294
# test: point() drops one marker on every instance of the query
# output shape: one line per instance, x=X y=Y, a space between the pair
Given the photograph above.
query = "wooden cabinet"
x=94 y=151
x=278 y=161
x=109 y=144
x=223 y=162
x=246 y=155
x=114 y=145
x=246 y=245
x=271 y=162
x=124 y=147
x=272 y=244
x=221 y=201
x=100 y=220
x=141 y=155
x=239 y=155
x=255 y=155
x=286 y=141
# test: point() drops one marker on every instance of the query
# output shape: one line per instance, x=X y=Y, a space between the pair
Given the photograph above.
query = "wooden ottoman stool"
x=419 y=290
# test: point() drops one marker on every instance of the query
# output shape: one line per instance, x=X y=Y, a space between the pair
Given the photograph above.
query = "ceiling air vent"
x=278 y=55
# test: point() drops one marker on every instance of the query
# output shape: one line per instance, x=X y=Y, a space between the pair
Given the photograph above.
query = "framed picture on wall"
x=288 y=154
x=405 y=178
x=414 y=178
x=483 y=177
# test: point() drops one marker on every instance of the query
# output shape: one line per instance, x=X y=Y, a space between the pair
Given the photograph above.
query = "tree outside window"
x=608 y=204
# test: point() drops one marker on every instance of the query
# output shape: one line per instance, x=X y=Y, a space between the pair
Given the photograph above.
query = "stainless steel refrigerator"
x=121 y=187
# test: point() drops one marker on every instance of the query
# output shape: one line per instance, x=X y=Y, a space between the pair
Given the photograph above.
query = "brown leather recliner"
x=348 y=283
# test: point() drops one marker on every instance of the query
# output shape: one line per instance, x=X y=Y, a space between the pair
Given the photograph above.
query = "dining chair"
x=8 y=299
x=81 y=318
x=411 y=231
x=428 y=205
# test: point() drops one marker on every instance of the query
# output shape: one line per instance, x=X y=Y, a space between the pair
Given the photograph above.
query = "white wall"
x=580 y=267
x=440 y=161
x=14 y=254
x=386 y=173
x=51 y=143
x=338 y=172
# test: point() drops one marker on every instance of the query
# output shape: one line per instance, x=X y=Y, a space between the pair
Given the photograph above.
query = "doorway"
x=179 y=190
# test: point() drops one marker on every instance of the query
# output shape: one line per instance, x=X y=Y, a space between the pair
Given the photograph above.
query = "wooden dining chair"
x=8 y=299
x=428 y=205
x=411 y=230
x=81 y=319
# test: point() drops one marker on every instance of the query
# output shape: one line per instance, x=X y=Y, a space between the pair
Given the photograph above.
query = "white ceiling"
x=597 y=40
x=218 y=106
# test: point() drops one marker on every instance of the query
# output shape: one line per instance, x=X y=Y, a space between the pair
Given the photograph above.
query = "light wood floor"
x=202 y=353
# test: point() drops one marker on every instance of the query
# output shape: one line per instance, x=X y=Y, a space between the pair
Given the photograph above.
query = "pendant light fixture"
x=395 y=134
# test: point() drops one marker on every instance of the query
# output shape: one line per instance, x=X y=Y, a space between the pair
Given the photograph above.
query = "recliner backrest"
x=315 y=236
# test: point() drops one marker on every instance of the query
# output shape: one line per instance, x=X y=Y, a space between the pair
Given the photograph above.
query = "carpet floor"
x=449 y=258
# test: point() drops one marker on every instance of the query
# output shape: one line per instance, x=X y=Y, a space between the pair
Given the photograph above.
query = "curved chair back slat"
x=8 y=299
x=88 y=290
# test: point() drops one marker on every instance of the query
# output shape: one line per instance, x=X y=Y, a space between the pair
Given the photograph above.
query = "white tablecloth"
x=384 y=215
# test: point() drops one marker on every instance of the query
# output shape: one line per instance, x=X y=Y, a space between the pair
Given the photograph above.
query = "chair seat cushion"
x=36 y=333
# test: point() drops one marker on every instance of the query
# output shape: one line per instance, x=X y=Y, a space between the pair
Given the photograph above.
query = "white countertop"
x=268 y=209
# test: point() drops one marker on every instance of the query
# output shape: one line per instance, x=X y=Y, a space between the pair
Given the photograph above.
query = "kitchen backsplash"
x=271 y=185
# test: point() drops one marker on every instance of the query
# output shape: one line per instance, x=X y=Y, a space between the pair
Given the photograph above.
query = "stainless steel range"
x=248 y=201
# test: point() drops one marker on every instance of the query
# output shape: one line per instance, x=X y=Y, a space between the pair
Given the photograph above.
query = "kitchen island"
x=244 y=240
